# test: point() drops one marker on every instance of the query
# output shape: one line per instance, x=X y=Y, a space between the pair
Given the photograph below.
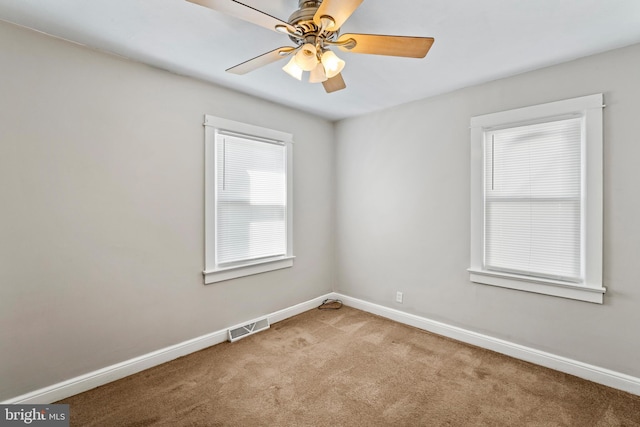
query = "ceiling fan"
x=314 y=28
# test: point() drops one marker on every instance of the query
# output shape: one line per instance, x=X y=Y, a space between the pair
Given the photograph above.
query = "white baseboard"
x=111 y=373
x=120 y=370
x=579 y=369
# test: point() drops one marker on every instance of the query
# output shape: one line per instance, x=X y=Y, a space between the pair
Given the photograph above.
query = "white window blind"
x=251 y=199
x=533 y=200
x=536 y=199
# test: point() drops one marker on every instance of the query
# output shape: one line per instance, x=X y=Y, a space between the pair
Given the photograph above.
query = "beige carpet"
x=351 y=368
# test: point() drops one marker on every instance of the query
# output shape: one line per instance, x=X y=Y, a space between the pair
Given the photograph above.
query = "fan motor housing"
x=302 y=19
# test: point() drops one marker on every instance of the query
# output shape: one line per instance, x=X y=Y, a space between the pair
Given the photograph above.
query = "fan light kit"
x=315 y=28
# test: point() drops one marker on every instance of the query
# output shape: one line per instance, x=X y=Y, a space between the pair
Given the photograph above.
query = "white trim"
x=247 y=129
x=537 y=285
x=115 y=372
x=583 y=370
x=94 y=379
x=246 y=270
x=214 y=272
x=550 y=109
x=590 y=108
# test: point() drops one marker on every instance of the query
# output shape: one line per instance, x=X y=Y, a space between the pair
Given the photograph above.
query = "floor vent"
x=250 y=328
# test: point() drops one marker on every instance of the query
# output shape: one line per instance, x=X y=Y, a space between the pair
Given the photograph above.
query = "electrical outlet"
x=399 y=297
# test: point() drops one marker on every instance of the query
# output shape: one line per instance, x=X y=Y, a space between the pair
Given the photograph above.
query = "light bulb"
x=332 y=64
x=317 y=74
x=306 y=57
x=293 y=69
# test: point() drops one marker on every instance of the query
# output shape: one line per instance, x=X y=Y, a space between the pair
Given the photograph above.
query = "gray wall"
x=101 y=218
x=403 y=214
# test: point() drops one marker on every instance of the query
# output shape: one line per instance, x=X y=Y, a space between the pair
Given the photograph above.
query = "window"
x=536 y=199
x=248 y=192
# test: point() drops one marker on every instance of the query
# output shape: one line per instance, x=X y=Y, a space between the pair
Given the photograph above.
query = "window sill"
x=539 y=286
x=221 y=274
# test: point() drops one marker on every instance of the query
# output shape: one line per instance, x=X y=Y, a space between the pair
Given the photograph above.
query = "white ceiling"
x=476 y=41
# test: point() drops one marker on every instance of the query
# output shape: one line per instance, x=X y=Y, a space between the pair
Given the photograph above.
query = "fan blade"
x=242 y=11
x=411 y=47
x=338 y=10
x=261 y=61
x=334 y=84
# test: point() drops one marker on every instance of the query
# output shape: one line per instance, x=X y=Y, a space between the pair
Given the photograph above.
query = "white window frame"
x=216 y=273
x=589 y=107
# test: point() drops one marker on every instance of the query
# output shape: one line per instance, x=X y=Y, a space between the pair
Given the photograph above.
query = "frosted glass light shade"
x=332 y=64
x=293 y=69
x=318 y=74
x=306 y=57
